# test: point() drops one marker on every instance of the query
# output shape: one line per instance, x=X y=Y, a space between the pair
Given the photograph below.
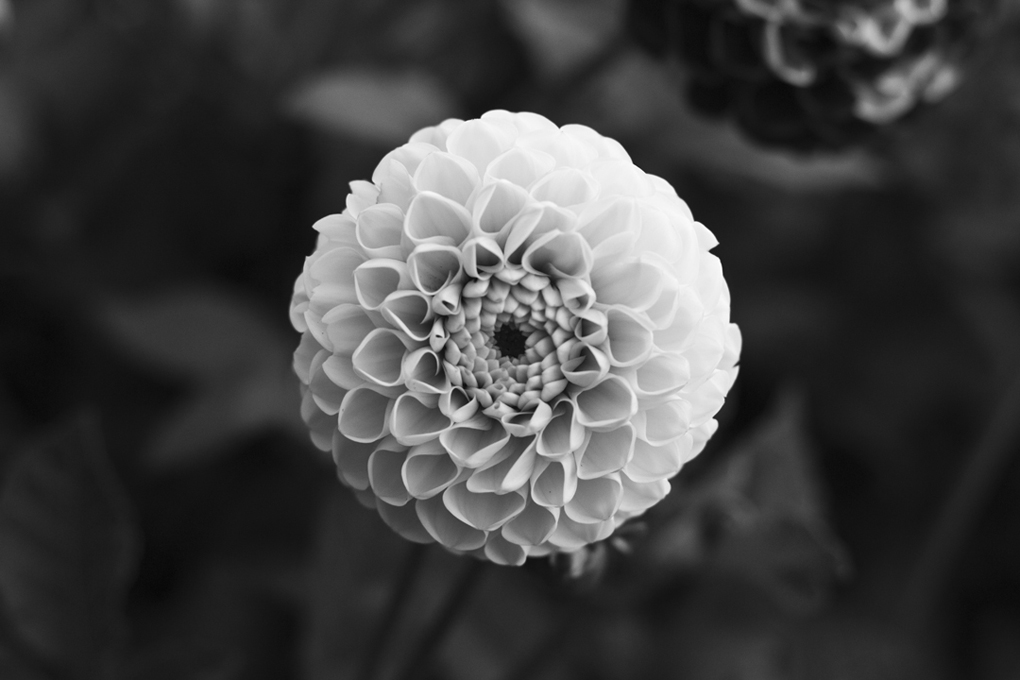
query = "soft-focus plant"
x=512 y=337
x=810 y=75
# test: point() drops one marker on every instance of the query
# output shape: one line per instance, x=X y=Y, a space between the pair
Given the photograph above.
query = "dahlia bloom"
x=512 y=337
x=814 y=73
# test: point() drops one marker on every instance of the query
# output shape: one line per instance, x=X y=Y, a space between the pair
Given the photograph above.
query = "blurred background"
x=163 y=514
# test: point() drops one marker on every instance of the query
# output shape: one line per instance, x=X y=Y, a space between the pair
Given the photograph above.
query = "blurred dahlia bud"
x=808 y=74
x=512 y=337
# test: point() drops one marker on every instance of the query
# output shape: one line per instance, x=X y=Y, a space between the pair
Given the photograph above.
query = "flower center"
x=510 y=340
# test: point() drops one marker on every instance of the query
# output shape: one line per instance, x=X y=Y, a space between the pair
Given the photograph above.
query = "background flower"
x=810 y=75
x=512 y=337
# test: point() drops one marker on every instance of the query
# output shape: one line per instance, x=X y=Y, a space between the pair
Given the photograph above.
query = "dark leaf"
x=70 y=549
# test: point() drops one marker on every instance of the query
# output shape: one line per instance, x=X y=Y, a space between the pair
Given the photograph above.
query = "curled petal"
x=347 y=326
x=473 y=447
x=688 y=313
x=639 y=496
x=527 y=423
x=320 y=425
x=375 y=280
x=501 y=551
x=532 y=526
x=379 y=230
x=711 y=396
x=586 y=365
x=607 y=404
x=554 y=482
x=479 y=141
x=341 y=230
x=632 y=283
x=622 y=178
x=409 y=311
x=363 y=194
x=606 y=452
x=570 y=535
x=423 y=372
x=432 y=266
x=660 y=376
x=447 y=175
x=577 y=294
x=592 y=327
x=532 y=223
x=404 y=520
x=432 y=218
x=339 y=368
x=363 y=415
x=659 y=234
x=666 y=422
x=629 y=340
x=563 y=434
x=394 y=182
x=485 y=511
x=334 y=272
x=496 y=205
x=447 y=529
x=351 y=460
x=596 y=500
x=520 y=166
x=414 y=419
x=482 y=257
x=303 y=355
x=567 y=150
x=458 y=405
x=559 y=255
x=428 y=470
x=607 y=219
x=565 y=187
x=607 y=147
x=508 y=469
x=380 y=356
x=651 y=463
x=325 y=391
x=436 y=135
x=384 y=474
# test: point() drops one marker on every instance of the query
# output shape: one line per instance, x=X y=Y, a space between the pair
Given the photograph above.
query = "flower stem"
x=420 y=660
x=394 y=606
x=949 y=534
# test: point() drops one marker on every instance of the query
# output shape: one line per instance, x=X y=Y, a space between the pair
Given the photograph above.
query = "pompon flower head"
x=512 y=337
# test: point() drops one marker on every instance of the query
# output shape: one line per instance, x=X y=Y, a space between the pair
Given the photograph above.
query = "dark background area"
x=163 y=514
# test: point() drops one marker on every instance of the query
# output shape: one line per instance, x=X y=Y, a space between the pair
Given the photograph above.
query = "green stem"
x=400 y=595
x=420 y=660
x=949 y=534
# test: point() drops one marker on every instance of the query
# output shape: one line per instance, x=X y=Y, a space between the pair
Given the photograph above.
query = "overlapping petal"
x=512 y=337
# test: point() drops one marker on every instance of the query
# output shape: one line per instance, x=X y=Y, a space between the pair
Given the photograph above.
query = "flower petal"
x=447 y=529
x=380 y=356
x=629 y=340
x=565 y=187
x=347 y=326
x=606 y=452
x=607 y=404
x=632 y=283
x=639 y=496
x=563 y=434
x=559 y=255
x=652 y=463
x=363 y=415
x=496 y=205
x=596 y=500
x=660 y=376
x=508 y=469
x=384 y=474
x=501 y=551
x=485 y=511
x=379 y=230
x=394 y=182
x=520 y=166
x=482 y=256
x=351 y=460
x=570 y=535
x=376 y=279
x=433 y=266
x=472 y=447
x=554 y=481
x=665 y=422
x=334 y=272
x=621 y=177
x=479 y=141
x=432 y=218
x=532 y=526
x=404 y=520
x=414 y=420
x=586 y=365
x=423 y=372
x=447 y=175
x=410 y=311
x=428 y=470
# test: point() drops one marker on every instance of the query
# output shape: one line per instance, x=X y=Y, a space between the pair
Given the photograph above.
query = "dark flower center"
x=510 y=341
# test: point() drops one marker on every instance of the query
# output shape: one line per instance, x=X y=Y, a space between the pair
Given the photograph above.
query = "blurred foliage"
x=162 y=513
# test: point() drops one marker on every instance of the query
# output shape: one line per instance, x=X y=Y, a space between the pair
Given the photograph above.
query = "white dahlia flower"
x=512 y=337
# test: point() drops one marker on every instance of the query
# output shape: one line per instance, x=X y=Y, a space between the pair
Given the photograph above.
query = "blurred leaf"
x=236 y=363
x=760 y=516
x=381 y=106
x=560 y=35
x=70 y=551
